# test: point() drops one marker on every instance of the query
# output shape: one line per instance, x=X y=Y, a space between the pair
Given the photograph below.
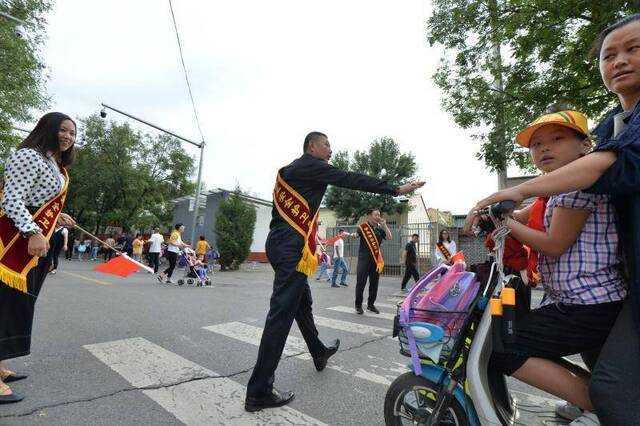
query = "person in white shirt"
x=155 y=247
x=445 y=247
x=339 y=262
x=174 y=247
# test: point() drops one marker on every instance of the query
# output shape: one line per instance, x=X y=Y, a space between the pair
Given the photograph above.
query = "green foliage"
x=22 y=69
x=235 y=223
x=383 y=155
x=543 y=58
x=125 y=178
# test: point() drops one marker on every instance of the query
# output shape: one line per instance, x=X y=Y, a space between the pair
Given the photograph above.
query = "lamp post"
x=200 y=145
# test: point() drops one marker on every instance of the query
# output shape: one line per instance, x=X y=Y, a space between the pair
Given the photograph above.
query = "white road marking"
x=348 y=310
x=386 y=305
x=211 y=401
x=351 y=327
x=295 y=345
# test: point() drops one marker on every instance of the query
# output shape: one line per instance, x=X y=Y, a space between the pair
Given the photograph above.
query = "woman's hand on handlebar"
x=514 y=194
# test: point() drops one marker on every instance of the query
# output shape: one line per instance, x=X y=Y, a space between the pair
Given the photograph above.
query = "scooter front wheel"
x=410 y=401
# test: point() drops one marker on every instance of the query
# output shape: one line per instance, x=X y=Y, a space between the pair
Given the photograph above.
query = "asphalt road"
x=111 y=351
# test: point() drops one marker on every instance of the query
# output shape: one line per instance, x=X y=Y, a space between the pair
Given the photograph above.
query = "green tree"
x=126 y=178
x=235 y=223
x=22 y=69
x=384 y=160
x=506 y=60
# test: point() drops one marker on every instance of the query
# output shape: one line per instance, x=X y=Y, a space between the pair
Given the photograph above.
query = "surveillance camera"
x=20 y=31
x=103 y=113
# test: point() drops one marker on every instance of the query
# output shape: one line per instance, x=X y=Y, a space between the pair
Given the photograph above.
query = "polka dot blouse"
x=32 y=180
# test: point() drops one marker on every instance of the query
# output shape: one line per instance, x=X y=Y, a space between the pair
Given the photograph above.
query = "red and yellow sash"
x=295 y=210
x=445 y=252
x=372 y=242
x=15 y=260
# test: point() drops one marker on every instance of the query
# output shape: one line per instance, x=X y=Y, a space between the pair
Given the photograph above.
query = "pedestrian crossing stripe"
x=297 y=348
x=348 y=310
x=168 y=379
x=351 y=327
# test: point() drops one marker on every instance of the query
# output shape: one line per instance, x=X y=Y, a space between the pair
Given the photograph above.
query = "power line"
x=186 y=76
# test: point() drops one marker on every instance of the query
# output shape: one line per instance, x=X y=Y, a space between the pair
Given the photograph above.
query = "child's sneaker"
x=567 y=410
x=586 y=419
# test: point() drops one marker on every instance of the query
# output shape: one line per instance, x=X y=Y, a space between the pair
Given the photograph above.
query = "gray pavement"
x=113 y=351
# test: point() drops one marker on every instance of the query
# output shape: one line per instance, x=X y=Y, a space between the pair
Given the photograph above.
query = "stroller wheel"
x=190 y=281
x=180 y=282
x=208 y=282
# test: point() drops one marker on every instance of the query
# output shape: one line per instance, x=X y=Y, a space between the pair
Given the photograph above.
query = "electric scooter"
x=460 y=388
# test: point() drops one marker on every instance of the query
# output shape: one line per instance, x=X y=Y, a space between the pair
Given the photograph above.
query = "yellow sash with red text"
x=15 y=260
x=372 y=242
x=295 y=210
x=445 y=252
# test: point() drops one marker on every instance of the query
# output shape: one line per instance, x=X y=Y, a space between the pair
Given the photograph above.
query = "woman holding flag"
x=32 y=196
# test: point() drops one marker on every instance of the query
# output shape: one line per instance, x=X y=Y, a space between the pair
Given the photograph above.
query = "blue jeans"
x=94 y=252
x=340 y=262
x=323 y=272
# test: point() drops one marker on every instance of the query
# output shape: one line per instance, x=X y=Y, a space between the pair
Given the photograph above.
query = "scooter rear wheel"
x=410 y=400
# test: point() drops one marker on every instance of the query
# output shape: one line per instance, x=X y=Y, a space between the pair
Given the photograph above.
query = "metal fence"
x=401 y=234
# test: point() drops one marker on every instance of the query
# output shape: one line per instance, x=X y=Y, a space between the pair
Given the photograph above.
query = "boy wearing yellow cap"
x=577 y=248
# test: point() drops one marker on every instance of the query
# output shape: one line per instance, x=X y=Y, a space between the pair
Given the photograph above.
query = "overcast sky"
x=263 y=74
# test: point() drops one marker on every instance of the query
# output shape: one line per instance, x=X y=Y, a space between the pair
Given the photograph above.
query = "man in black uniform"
x=410 y=258
x=367 y=265
x=309 y=176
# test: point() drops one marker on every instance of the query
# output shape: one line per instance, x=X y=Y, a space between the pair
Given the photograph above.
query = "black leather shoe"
x=359 y=310
x=14 y=378
x=321 y=362
x=373 y=309
x=344 y=284
x=274 y=399
x=8 y=399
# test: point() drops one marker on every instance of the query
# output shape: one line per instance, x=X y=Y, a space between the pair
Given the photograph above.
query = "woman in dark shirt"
x=614 y=169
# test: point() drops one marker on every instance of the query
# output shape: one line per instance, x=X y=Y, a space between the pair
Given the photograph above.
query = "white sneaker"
x=567 y=410
x=170 y=281
x=586 y=419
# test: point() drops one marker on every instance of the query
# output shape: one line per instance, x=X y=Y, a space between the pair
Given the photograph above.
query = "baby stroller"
x=195 y=270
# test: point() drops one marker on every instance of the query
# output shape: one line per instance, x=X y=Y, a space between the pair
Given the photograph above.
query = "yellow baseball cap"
x=573 y=119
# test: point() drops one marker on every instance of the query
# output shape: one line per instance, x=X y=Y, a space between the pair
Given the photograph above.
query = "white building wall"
x=263 y=218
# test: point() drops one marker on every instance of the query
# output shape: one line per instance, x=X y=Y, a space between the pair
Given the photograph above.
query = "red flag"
x=122 y=266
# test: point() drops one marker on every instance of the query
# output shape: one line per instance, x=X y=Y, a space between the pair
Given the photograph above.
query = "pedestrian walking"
x=155 y=248
x=137 y=245
x=325 y=263
x=202 y=247
x=370 y=262
x=108 y=251
x=32 y=196
x=175 y=244
x=95 y=249
x=81 y=249
x=291 y=250
x=71 y=244
x=410 y=259
x=339 y=261
x=445 y=248
x=58 y=241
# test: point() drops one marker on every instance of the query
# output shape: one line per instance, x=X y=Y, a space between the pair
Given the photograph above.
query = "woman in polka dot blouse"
x=34 y=177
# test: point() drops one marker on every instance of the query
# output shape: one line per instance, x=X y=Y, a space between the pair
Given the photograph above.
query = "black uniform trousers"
x=367 y=270
x=291 y=299
x=57 y=242
x=410 y=271
x=17 y=309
